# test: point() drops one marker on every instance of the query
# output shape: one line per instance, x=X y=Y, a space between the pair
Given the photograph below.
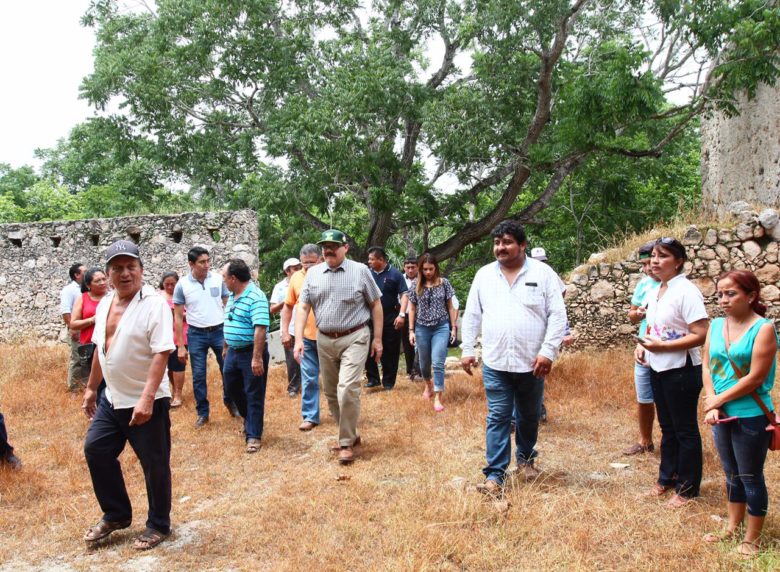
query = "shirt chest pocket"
x=214 y=291
x=530 y=297
x=349 y=299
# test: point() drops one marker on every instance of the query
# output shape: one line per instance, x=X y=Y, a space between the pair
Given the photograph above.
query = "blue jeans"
x=505 y=391
x=432 y=351
x=199 y=343
x=676 y=393
x=642 y=384
x=742 y=445
x=246 y=389
x=310 y=382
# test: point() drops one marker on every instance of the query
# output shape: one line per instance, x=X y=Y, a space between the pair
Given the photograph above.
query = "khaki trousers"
x=341 y=364
x=75 y=382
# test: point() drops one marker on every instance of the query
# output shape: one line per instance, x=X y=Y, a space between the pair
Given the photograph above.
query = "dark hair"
x=378 y=251
x=86 y=280
x=238 y=269
x=673 y=247
x=196 y=252
x=646 y=248
x=426 y=258
x=74 y=270
x=512 y=228
x=169 y=274
x=410 y=260
x=749 y=284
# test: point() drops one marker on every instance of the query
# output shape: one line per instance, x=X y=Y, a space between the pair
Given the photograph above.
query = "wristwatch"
x=401 y=314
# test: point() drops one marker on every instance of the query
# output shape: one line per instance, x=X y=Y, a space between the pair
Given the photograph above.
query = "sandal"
x=720 y=536
x=678 y=501
x=252 y=445
x=747 y=549
x=175 y=403
x=658 y=490
x=104 y=528
x=149 y=538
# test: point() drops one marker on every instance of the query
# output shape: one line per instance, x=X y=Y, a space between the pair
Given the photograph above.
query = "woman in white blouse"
x=676 y=327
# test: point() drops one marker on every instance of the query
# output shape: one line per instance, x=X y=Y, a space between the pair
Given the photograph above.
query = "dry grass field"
x=406 y=504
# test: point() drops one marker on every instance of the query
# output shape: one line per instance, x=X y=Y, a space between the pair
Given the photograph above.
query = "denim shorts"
x=644 y=390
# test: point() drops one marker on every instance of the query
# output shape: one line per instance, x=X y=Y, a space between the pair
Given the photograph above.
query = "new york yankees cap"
x=122 y=248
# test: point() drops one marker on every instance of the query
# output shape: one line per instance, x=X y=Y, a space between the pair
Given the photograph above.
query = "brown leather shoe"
x=490 y=488
x=637 y=449
x=306 y=426
x=346 y=456
x=336 y=447
x=529 y=472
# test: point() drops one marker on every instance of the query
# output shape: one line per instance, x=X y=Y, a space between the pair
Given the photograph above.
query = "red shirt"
x=88 y=306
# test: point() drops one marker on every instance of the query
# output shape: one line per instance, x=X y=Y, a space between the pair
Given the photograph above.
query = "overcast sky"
x=45 y=54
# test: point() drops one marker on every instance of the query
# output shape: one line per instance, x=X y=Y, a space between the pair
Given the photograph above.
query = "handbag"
x=774 y=422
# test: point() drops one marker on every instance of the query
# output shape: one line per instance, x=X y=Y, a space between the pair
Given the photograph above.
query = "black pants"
x=391 y=344
x=106 y=438
x=5 y=446
x=676 y=393
x=410 y=355
x=293 y=369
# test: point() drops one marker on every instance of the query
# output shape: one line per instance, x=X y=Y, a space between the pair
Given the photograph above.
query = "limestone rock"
x=711 y=238
x=748 y=217
x=744 y=231
x=692 y=236
x=602 y=290
x=713 y=268
x=751 y=249
x=707 y=254
x=597 y=257
x=769 y=273
x=571 y=292
x=722 y=252
x=768 y=218
x=770 y=293
x=758 y=231
x=737 y=207
x=706 y=285
x=725 y=235
x=579 y=279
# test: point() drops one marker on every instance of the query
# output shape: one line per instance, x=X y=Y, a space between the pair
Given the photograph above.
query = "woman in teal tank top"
x=739 y=360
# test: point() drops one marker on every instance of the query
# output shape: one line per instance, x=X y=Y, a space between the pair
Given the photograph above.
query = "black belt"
x=335 y=335
x=208 y=329
x=242 y=349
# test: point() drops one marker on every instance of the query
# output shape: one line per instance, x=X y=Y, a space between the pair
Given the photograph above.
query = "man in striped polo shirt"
x=344 y=297
x=245 y=351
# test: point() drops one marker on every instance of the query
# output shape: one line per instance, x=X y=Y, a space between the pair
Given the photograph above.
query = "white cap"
x=290 y=262
x=538 y=253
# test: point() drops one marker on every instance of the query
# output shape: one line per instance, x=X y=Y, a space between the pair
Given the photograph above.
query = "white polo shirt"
x=68 y=297
x=145 y=329
x=202 y=300
x=668 y=319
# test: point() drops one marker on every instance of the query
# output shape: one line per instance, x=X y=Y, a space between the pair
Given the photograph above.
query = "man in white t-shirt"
x=136 y=403
x=278 y=296
x=203 y=295
x=68 y=297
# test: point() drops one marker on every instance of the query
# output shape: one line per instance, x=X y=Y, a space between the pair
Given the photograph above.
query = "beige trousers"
x=341 y=364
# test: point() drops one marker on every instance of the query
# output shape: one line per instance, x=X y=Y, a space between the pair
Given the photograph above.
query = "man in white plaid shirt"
x=516 y=305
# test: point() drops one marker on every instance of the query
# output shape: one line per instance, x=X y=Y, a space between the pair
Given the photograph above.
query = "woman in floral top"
x=432 y=323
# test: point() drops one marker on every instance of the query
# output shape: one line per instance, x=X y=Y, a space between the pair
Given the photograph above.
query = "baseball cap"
x=290 y=262
x=333 y=235
x=538 y=253
x=122 y=248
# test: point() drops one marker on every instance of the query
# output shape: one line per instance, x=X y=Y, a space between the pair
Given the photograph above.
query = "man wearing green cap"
x=344 y=297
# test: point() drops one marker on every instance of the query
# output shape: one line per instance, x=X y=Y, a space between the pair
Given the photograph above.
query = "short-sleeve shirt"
x=340 y=297
x=431 y=306
x=392 y=284
x=203 y=300
x=68 y=297
x=723 y=375
x=279 y=295
x=243 y=314
x=642 y=293
x=293 y=293
x=668 y=319
x=145 y=329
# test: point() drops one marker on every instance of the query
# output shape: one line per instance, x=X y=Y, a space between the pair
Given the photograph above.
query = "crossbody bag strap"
x=753 y=394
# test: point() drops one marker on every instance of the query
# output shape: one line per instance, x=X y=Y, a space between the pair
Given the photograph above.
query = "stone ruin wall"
x=598 y=293
x=740 y=158
x=35 y=258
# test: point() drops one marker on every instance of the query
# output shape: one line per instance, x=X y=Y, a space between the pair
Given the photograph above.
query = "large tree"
x=427 y=120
